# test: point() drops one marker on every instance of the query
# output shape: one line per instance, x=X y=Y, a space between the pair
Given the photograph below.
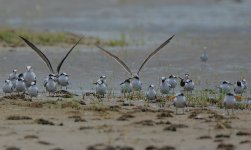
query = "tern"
x=151 y=94
x=187 y=83
x=204 y=55
x=244 y=82
x=29 y=76
x=13 y=77
x=126 y=86
x=51 y=85
x=63 y=80
x=7 y=87
x=63 y=76
x=101 y=88
x=33 y=90
x=225 y=87
x=229 y=102
x=172 y=81
x=165 y=87
x=239 y=88
x=179 y=102
x=20 y=84
x=136 y=83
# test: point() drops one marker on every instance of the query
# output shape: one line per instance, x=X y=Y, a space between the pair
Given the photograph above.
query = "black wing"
x=39 y=52
x=62 y=61
x=154 y=52
x=117 y=59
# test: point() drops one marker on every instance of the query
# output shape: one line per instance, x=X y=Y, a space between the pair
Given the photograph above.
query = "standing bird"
x=63 y=80
x=20 y=84
x=151 y=94
x=126 y=87
x=33 y=90
x=47 y=62
x=7 y=87
x=101 y=88
x=29 y=76
x=239 y=88
x=225 y=87
x=172 y=81
x=13 y=77
x=229 y=102
x=179 y=102
x=244 y=82
x=204 y=55
x=136 y=83
x=51 y=85
x=187 y=83
x=165 y=87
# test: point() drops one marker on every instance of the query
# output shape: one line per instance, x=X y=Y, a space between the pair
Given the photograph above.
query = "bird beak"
x=238 y=98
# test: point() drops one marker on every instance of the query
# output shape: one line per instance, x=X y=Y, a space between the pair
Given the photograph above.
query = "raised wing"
x=154 y=52
x=117 y=59
x=39 y=52
x=62 y=61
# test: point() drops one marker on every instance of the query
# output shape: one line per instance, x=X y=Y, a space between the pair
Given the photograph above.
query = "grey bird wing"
x=117 y=59
x=39 y=52
x=154 y=52
x=62 y=61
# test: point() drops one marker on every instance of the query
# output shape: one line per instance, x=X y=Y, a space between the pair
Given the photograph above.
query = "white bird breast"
x=180 y=101
x=229 y=100
x=33 y=91
x=136 y=84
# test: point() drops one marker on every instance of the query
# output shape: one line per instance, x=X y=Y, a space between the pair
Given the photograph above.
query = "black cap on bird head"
x=230 y=94
x=20 y=75
x=238 y=83
x=136 y=77
x=126 y=81
x=163 y=79
x=172 y=76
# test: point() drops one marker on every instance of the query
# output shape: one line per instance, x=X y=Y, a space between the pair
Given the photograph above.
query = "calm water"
x=223 y=26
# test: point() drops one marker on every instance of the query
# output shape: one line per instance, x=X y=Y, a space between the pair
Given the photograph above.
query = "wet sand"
x=69 y=125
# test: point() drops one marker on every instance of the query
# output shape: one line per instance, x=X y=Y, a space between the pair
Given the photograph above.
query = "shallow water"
x=222 y=26
x=110 y=18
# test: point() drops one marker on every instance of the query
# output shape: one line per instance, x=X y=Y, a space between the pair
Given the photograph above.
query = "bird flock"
x=26 y=82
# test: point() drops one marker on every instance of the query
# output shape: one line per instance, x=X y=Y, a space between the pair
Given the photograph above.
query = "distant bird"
x=136 y=83
x=204 y=55
x=51 y=85
x=225 y=87
x=48 y=63
x=101 y=88
x=229 y=102
x=63 y=80
x=7 y=87
x=151 y=94
x=165 y=87
x=33 y=90
x=172 y=81
x=179 y=102
x=126 y=86
x=239 y=87
x=20 y=84
x=13 y=77
x=29 y=76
